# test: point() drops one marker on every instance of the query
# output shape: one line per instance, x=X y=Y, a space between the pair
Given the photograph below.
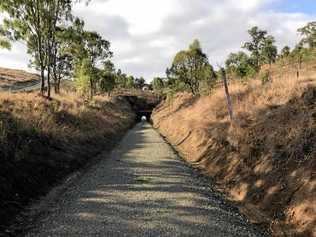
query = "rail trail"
x=141 y=189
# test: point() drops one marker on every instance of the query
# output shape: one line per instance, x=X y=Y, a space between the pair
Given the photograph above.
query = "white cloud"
x=146 y=34
x=143 y=16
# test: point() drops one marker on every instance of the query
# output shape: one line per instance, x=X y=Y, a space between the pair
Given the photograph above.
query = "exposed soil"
x=264 y=161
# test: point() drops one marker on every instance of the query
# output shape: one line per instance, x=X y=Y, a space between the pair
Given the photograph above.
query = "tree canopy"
x=35 y=22
x=191 y=67
x=308 y=33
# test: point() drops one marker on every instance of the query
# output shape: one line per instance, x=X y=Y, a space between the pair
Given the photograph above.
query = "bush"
x=265 y=77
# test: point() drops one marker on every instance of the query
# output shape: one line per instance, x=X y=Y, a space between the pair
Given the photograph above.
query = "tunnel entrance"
x=141 y=114
x=143 y=106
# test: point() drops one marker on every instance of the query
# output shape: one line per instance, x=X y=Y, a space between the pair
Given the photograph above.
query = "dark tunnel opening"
x=143 y=106
x=141 y=114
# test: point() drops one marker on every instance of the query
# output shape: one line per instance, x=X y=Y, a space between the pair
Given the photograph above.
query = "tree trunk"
x=269 y=72
x=39 y=46
x=91 y=89
x=56 y=78
x=58 y=84
x=229 y=101
x=48 y=81
x=42 y=80
x=192 y=88
x=299 y=66
x=42 y=67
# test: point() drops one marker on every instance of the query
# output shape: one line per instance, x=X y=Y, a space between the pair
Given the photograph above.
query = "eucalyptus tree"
x=58 y=11
x=4 y=41
x=285 y=52
x=239 y=64
x=191 y=67
x=255 y=45
x=269 y=51
x=84 y=45
x=140 y=82
x=35 y=22
x=298 y=54
x=308 y=33
x=107 y=77
x=158 y=84
x=130 y=83
x=62 y=60
x=261 y=47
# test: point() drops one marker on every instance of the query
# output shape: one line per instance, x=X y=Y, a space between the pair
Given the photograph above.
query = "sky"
x=146 y=34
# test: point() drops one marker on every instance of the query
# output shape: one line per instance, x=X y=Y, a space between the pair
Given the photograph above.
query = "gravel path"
x=141 y=189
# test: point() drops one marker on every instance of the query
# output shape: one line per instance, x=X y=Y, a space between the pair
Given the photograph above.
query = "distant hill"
x=11 y=77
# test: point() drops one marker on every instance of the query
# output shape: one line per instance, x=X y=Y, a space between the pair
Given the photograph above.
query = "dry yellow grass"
x=12 y=76
x=43 y=140
x=265 y=160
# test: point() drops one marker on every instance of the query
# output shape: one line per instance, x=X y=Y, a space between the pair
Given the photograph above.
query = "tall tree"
x=308 y=33
x=140 y=82
x=255 y=45
x=158 y=84
x=285 y=52
x=298 y=54
x=269 y=51
x=239 y=64
x=87 y=45
x=62 y=60
x=130 y=83
x=83 y=74
x=107 y=77
x=190 y=67
x=35 y=22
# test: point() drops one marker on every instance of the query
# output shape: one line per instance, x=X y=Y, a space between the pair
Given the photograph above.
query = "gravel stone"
x=142 y=188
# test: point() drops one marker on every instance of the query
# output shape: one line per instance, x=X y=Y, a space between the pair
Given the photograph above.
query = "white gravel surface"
x=141 y=189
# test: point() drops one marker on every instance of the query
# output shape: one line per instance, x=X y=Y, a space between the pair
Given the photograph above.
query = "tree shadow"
x=34 y=159
x=133 y=192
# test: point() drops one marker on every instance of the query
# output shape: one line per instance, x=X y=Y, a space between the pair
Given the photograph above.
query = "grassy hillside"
x=265 y=160
x=9 y=77
x=41 y=141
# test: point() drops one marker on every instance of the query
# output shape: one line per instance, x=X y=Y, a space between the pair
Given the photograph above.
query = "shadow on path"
x=142 y=189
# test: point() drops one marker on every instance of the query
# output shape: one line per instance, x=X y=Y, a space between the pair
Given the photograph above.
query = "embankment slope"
x=264 y=161
x=42 y=141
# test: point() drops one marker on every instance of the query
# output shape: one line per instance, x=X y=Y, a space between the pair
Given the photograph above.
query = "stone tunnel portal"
x=143 y=106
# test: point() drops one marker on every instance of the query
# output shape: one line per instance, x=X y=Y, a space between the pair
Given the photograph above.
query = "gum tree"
x=88 y=48
x=191 y=67
x=239 y=64
x=308 y=33
x=254 y=46
x=35 y=22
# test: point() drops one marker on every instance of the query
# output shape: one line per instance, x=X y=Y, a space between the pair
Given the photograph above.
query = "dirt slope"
x=42 y=141
x=265 y=161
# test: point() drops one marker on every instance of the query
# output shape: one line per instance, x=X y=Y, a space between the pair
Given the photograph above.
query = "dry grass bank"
x=9 y=77
x=265 y=162
x=42 y=141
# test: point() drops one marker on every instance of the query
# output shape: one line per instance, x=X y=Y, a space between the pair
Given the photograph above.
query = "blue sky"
x=305 y=6
x=146 y=34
